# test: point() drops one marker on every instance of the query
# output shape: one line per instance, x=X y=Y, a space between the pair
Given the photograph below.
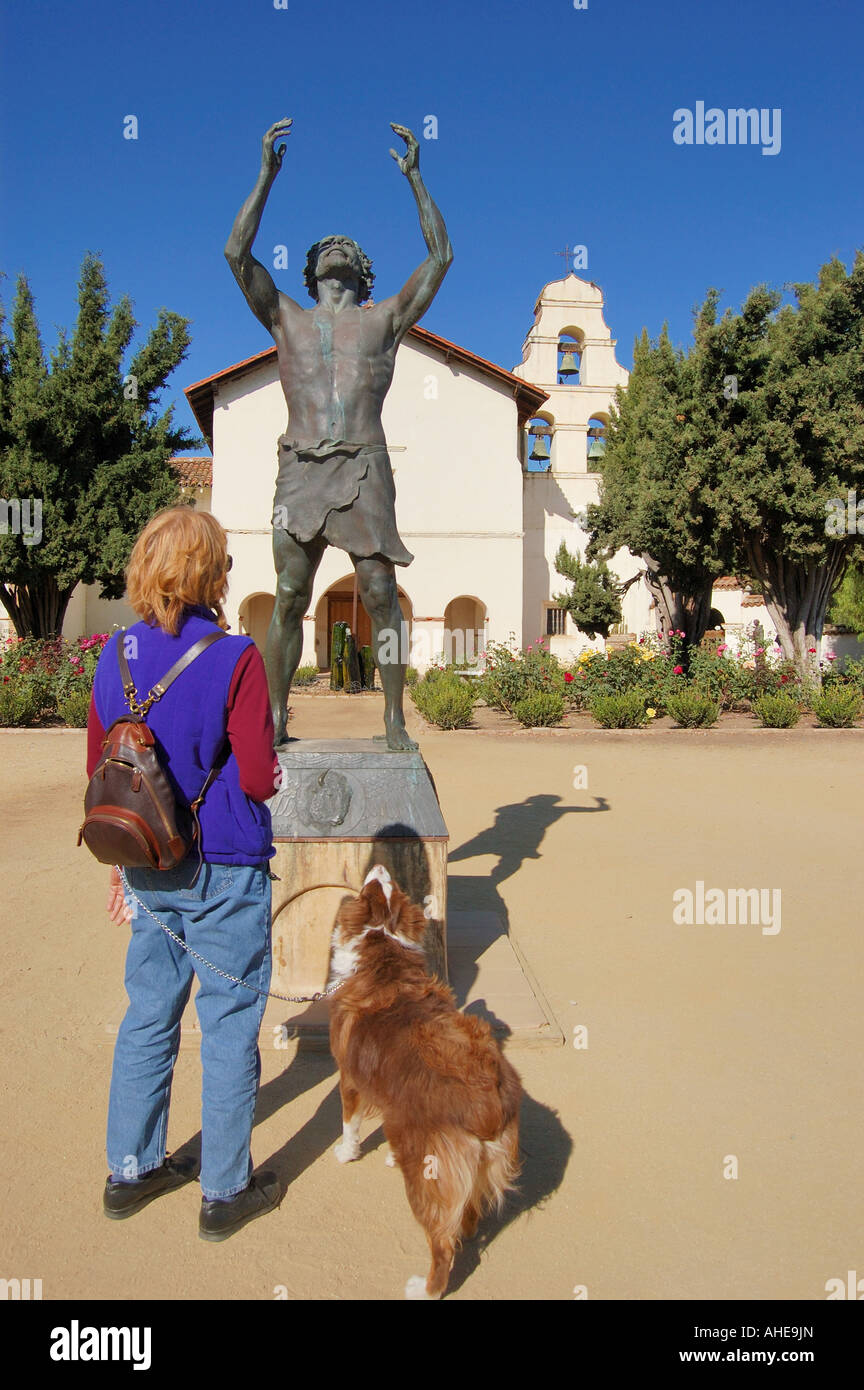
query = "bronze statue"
x=334 y=484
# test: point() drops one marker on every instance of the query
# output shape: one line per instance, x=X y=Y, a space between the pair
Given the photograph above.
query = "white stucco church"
x=492 y=470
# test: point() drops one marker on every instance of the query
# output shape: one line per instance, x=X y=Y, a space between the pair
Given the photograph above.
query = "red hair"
x=179 y=560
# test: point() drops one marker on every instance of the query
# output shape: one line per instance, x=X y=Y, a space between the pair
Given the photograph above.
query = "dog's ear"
x=406 y=917
x=354 y=914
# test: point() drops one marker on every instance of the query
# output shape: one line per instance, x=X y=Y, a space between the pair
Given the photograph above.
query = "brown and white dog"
x=448 y=1097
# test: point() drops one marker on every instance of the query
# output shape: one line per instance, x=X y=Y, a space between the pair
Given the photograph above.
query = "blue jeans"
x=226 y=918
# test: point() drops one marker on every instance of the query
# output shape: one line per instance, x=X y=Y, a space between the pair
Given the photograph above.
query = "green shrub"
x=777 y=711
x=838 y=707
x=412 y=676
x=623 y=711
x=636 y=667
x=20 y=702
x=693 y=709
x=540 y=710
x=853 y=674
x=444 y=700
x=511 y=676
x=74 y=708
x=305 y=675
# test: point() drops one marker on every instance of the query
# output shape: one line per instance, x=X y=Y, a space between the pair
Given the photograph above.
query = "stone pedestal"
x=346 y=805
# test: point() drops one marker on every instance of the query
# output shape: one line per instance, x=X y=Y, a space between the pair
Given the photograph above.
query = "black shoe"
x=122 y=1199
x=220 y=1219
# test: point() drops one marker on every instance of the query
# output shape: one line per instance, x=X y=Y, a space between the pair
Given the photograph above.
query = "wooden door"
x=340 y=609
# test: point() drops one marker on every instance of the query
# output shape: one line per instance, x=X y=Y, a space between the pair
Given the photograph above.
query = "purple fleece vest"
x=190 y=723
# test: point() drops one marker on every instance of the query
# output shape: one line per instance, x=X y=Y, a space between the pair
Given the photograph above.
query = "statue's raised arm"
x=412 y=301
x=256 y=282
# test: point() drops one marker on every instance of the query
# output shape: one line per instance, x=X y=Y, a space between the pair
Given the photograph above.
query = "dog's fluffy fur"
x=448 y=1097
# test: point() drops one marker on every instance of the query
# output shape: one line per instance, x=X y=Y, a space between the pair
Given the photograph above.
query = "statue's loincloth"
x=343 y=492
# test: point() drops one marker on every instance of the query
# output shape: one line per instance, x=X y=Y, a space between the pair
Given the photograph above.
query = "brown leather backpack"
x=132 y=817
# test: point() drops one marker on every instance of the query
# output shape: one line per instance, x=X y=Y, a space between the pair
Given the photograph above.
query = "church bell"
x=539 y=449
x=597 y=446
x=568 y=366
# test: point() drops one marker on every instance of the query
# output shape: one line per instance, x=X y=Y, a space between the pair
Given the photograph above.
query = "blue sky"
x=554 y=127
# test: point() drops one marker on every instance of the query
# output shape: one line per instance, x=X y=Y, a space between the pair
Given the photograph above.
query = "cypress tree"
x=88 y=441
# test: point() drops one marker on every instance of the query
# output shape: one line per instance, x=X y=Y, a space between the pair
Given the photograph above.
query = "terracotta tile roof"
x=194 y=470
x=528 y=398
x=729 y=582
x=753 y=601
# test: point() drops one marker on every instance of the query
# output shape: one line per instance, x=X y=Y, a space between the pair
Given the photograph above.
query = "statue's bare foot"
x=281 y=737
x=396 y=737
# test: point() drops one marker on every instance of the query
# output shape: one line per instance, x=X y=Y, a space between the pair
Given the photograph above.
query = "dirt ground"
x=708 y=1047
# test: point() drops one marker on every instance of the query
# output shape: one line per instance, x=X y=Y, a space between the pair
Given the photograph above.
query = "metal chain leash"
x=266 y=994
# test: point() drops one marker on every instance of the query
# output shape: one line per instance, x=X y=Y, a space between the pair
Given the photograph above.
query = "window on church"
x=555 y=622
x=569 y=360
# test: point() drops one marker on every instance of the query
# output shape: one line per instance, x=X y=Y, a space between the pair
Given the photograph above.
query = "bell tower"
x=570 y=353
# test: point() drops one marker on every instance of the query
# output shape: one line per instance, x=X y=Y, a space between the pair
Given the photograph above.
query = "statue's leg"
x=296 y=565
x=376 y=584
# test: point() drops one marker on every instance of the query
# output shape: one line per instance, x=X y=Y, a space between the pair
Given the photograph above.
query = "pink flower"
x=723 y=647
x=679 y=671
x=760 y=651
x=811 y=650
x=568 y=677
x=832 y=656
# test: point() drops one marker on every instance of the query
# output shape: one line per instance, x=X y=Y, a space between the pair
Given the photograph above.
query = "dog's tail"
x=467 y=1176
x=458 y=1178
x=499 y=1170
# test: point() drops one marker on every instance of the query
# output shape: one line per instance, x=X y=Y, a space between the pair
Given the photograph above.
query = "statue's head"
x=342 y=246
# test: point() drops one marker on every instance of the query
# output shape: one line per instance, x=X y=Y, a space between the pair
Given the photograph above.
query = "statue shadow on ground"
x=516 y=835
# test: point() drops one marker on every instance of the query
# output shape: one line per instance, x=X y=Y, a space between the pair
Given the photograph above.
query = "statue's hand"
x=271 y=158
x=411 y=158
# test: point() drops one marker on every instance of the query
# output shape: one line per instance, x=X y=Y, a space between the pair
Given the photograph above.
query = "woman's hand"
x=117 y=907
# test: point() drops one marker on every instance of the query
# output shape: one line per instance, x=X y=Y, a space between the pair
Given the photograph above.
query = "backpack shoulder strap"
x=179 y=666
x=125 y=674
x=187 y=658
